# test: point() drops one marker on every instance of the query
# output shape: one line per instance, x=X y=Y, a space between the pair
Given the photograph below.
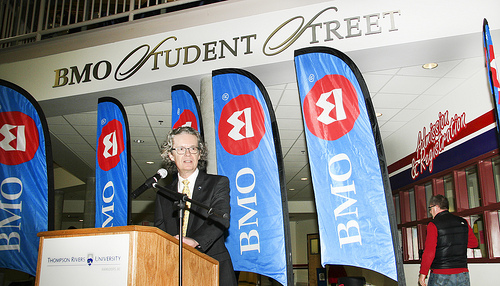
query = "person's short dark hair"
x=440 y=201
x=168 y=145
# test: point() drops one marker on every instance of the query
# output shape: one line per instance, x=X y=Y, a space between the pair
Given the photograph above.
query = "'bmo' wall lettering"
x=325 y=26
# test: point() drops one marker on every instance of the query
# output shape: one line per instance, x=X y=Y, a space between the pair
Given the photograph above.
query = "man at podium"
x=185 y=153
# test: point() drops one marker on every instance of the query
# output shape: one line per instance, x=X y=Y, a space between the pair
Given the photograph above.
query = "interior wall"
x=299 y=255
x=299 y=231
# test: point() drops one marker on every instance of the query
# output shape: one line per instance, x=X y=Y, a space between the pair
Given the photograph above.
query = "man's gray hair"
x=440 y=201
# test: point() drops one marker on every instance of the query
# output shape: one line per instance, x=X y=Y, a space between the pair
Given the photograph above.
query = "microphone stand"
x=181 y=202
x=182 y=207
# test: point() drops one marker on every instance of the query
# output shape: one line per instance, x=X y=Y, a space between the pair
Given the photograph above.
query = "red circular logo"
x=241 y=125
x=18 y=138
x=187 y=118
x=331 y=107
x=111 y=145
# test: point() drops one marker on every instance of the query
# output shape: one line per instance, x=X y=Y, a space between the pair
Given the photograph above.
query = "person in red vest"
x=445 y=252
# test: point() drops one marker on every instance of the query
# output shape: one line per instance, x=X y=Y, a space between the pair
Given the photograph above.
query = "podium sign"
x=97 y=260
x=120 y=256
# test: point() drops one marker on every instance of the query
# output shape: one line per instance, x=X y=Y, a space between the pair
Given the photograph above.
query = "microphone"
x=160 y=174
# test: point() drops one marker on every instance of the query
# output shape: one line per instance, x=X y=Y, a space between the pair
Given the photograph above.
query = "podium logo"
x=18 y=138
x=241 y=125
x=331 y=107
x=90 y=259
x=110 y=145
x=187 y=118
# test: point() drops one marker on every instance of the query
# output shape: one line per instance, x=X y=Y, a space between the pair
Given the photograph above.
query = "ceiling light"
x=150 y=162
x=138 y=141
x=378 y=114
x=291 y=189
x=303 y=179
x=429 y=66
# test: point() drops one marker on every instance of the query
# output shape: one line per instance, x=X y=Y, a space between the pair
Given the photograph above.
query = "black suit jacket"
x=208 y=231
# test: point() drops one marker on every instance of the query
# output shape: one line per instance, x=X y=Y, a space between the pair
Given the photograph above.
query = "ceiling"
x=399 y=94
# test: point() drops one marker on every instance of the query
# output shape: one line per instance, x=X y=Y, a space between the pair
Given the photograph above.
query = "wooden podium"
x=127 y=255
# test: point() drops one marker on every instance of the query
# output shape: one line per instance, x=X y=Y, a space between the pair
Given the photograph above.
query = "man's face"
x=432 y=210
x=188 y=162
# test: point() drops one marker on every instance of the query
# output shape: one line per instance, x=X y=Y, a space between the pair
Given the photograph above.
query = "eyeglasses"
x=430 y=207
x=182 y=150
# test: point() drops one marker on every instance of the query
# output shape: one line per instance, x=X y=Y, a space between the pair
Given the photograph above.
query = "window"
x=477 y=224
x=400 y=237
x=414 y=238
x=413 y=212
x=494 y=218
x=428 y=195
x=397 y=209
x=449 y=191
x=496 y=176
x=473 y=193
x=314 y=249
x=412 y=241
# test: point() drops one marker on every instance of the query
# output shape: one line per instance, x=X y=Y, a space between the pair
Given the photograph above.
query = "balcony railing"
x=26 y=21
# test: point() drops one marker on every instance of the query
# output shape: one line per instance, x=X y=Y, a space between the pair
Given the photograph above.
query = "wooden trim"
x=486 y=182
x=420 y=202
x=461 y=195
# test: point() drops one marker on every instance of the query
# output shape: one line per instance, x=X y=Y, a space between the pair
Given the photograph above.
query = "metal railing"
x=26 y=21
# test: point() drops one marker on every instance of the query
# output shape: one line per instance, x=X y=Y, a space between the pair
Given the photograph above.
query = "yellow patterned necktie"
x=186 y=191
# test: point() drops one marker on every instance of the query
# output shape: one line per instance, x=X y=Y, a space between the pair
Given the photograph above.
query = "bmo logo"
x=241 y=125
x=18 y=138
x=187 y=118
x=110 y=145
x=494 y=73
x=331 y=107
